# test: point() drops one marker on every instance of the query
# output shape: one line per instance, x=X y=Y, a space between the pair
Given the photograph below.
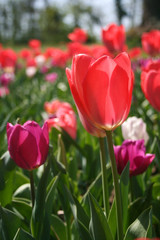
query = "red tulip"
x=114 y=37
x=34 y=43
x=28 y=144
x=78 y=35
x=151 y=42
x=77 y=48
x=102 y=90
x=150 y=84
x=8 y=58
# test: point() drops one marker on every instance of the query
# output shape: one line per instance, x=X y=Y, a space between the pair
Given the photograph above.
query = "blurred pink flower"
x=6 y=78
x=62 y=116
x=4 y=91
x=51 y=77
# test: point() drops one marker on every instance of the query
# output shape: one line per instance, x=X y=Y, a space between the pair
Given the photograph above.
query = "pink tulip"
x=51 y=77
x=63 y=117
x=134 y=152
x=102 y=90
x=4 y=91
x=28 y=144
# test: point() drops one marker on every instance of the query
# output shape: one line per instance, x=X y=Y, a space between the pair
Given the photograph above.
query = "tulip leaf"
x=81 y=218
x=39 y=206
x=6 y=193
x=23 y=208
x=139 y=205
x=98 y=224
x=141 y=227
x=111 y=219
x=23 y=191
x=10 y=222
x=124 y=185
x=21 y=234
x=58 y=227
x=61 y=156
x=48 y=208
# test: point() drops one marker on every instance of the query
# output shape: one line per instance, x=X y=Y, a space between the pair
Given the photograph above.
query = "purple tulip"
x=133 y=151
x=28 y=144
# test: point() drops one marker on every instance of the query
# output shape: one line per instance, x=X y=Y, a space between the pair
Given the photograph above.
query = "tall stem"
x=104 y=176
x=116 y=186
x=32 y=188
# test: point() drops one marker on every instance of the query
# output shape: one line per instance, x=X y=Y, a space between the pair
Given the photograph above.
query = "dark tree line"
x=21 y=20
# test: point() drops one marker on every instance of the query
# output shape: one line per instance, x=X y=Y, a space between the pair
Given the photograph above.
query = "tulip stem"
x=32 y=187
x=116 y=186
x=104 y=176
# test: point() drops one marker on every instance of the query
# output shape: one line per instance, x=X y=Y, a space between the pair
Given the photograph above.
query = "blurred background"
x=51 y=20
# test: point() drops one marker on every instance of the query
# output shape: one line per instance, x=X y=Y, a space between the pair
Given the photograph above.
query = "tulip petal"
x=153 y=89
x=22 y=147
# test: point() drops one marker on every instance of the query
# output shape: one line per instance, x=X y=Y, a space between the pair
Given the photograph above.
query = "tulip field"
x=80 y=139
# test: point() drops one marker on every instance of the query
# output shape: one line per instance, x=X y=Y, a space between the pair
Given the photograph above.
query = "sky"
x=108 y=10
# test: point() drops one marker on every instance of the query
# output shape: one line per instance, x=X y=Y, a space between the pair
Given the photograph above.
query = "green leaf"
x=58 y=227
x=61 y=156
x=10 y=223
x=48 y=208
x=21 y=234
x=124 y=185
x=81 y=218
x=6 y=193
x=23 y=191
x=23 y=208
x=141 y=227
x=39 y=206
x=112 y=219
x=98 y=224
x=139 y=205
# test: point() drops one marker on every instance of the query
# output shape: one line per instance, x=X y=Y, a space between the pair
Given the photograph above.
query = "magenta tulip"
x=28 y=144
x=134 y=152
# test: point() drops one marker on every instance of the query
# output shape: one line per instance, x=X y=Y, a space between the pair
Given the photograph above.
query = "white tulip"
x=30 y=71
x=134 y=128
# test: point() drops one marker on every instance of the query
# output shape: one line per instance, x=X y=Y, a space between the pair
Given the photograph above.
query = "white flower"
x=40 y=60
x=134 y=128
x=30 y=71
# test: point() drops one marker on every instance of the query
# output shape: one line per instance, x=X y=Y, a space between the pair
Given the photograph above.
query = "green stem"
x=104 y=176
x=116 y=186
x=32 y=187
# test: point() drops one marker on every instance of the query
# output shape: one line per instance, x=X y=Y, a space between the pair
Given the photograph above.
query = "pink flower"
x=51 y=77
x=63 y=117
x=6 y=78
x=28 y=144
x=4 y=91
x=134 y=152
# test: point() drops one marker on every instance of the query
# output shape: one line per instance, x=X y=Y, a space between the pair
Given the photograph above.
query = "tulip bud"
x=28 y=144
